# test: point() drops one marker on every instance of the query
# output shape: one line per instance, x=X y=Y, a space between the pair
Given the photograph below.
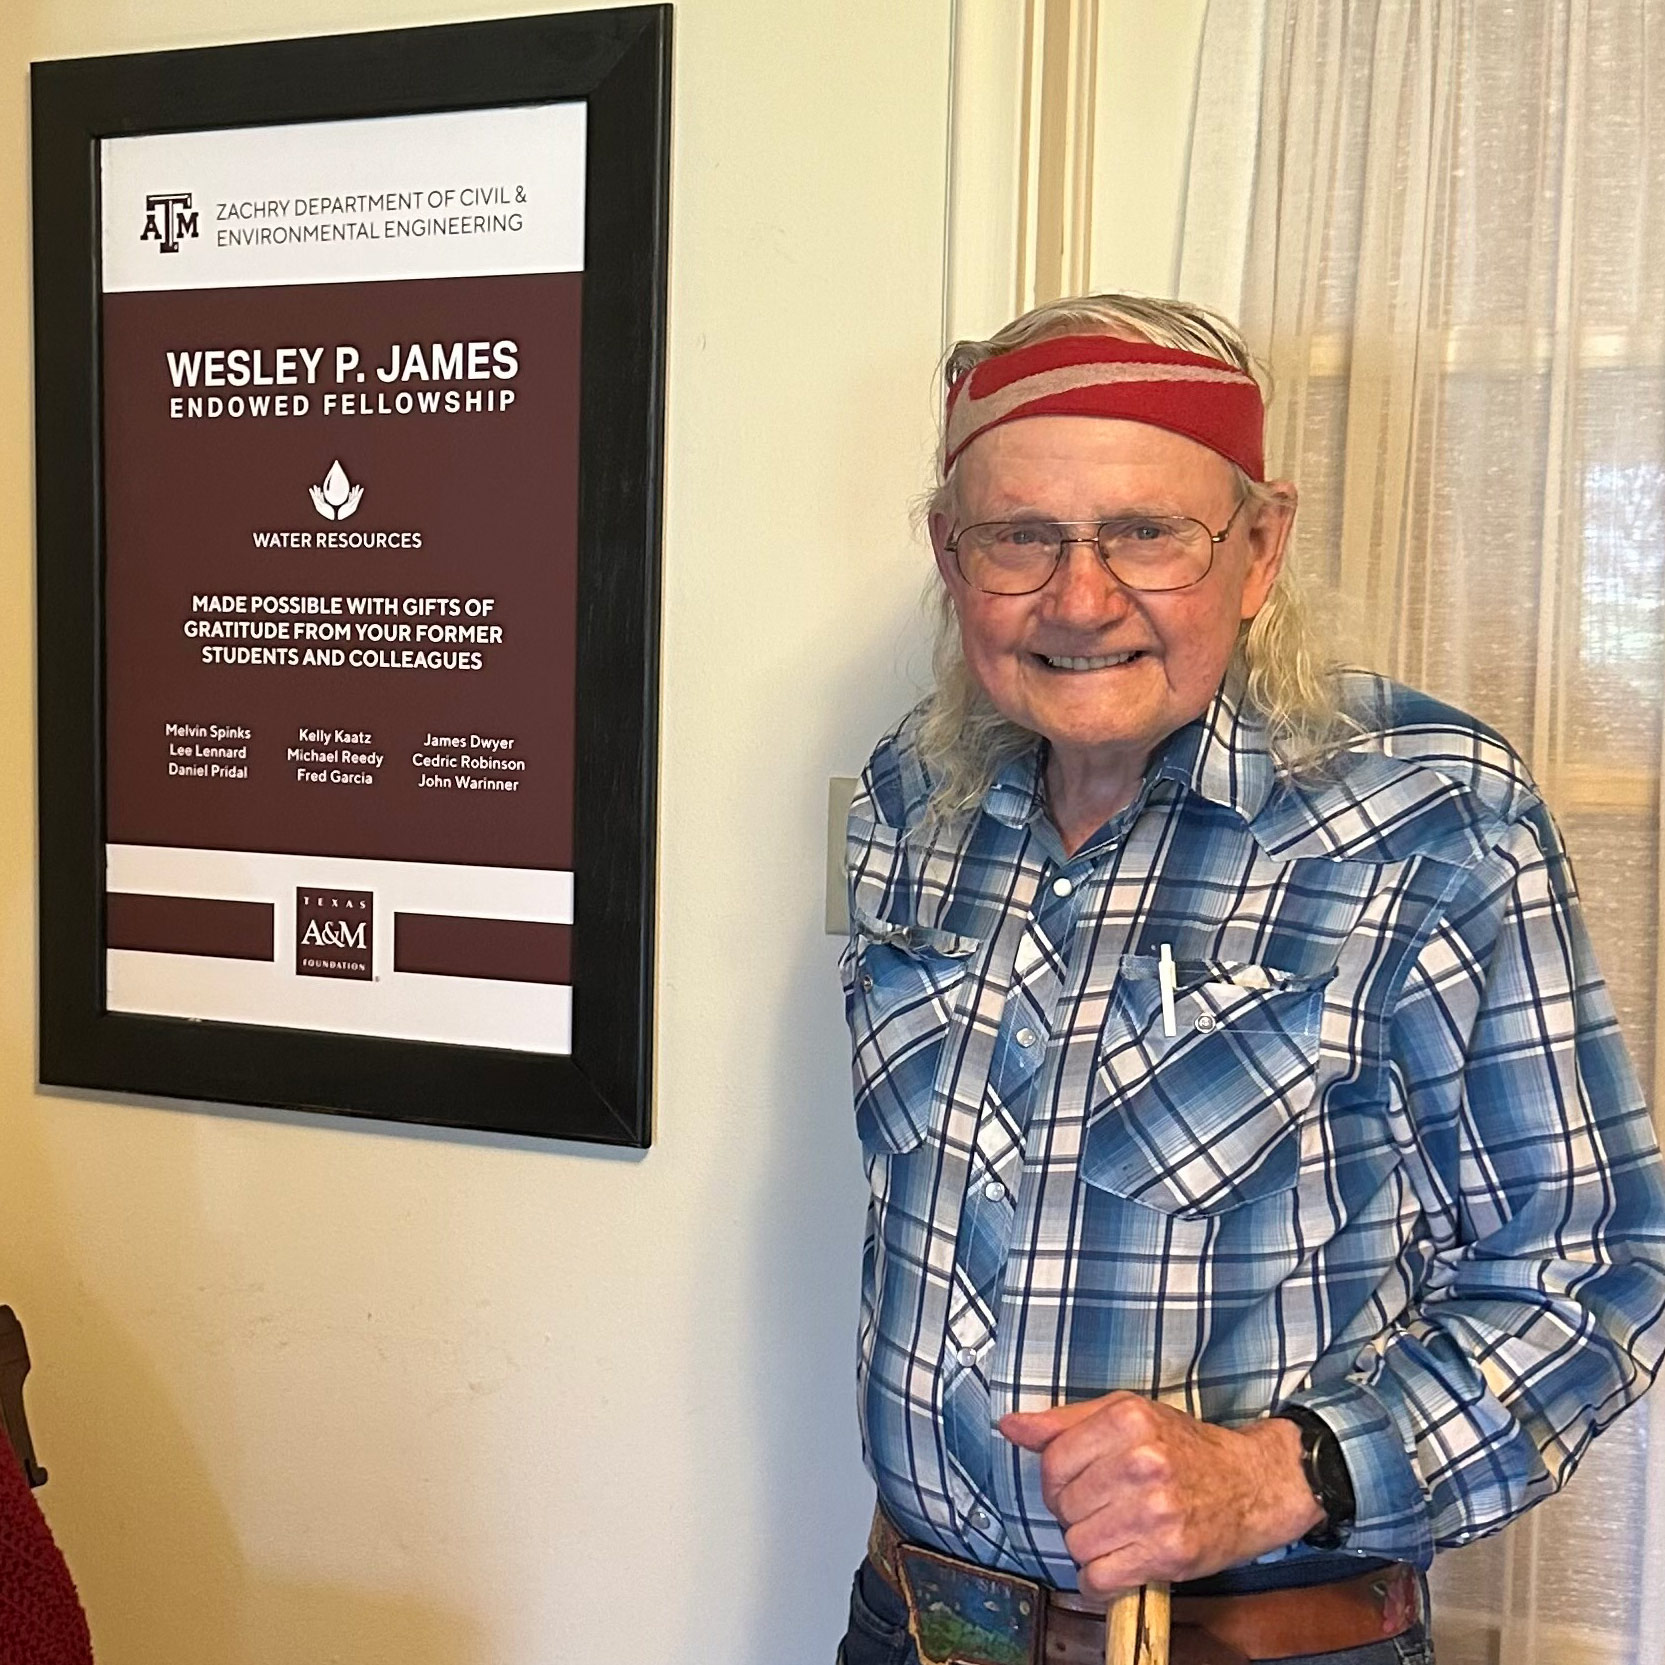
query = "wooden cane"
x=1136 y=1627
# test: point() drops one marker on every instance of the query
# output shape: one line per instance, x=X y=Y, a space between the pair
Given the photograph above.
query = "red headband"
x=1203 y=398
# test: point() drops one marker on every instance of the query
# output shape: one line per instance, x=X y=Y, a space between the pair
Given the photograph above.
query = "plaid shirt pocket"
x=901 y=984
x=1207 y=1118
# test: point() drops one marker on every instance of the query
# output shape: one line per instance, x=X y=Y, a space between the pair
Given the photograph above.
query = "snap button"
x=1062 y=887
x=994 y=1190
x=980 y=1518
x=867 y=982
x=1025 y=1037
x=1206 y=1023
x=968 y=1356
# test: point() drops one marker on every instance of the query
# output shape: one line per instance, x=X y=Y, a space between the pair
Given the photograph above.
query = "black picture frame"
x=618 y=62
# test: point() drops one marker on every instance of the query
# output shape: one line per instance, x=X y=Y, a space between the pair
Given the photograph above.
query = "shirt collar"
x=1018 y=794
x=1224 y=756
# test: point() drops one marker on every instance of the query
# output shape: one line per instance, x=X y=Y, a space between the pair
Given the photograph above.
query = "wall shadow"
x=132 y=1500
x=805 y=1217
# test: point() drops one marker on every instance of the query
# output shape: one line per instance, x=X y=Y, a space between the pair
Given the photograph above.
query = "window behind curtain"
x=1443 y=226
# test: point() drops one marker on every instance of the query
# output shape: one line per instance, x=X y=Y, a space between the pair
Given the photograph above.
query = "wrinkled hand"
x=1146 y=1492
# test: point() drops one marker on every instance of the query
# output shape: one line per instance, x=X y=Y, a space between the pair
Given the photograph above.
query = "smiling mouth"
x=1093 y=662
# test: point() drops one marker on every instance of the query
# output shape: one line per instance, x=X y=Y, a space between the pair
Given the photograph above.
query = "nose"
x=1084 y=591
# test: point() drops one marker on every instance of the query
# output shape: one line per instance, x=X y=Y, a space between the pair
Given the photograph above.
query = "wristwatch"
x=1326 y=1474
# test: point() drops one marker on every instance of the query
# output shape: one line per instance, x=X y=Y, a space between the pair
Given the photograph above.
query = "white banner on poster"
x=469 y=193
x=402 y=1005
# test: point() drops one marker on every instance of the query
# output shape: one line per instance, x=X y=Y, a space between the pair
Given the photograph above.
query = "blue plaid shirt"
x=1393 y=1164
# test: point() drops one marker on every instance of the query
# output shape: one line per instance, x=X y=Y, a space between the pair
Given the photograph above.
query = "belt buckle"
x=960 y=1614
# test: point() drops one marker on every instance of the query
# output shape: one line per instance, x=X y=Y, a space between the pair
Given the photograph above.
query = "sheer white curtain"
x=1442 y=222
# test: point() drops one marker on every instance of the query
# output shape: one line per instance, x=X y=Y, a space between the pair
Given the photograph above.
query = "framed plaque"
x=349 y=365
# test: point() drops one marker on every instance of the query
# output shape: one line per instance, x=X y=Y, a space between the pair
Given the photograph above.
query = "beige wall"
x=315 y=1391
x=1147 y=76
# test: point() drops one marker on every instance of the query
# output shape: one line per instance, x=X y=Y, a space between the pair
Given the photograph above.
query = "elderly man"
x=1261 y=1196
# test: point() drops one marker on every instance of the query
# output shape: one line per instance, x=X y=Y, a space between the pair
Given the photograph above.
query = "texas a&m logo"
x=169 y=216
x=334 y=933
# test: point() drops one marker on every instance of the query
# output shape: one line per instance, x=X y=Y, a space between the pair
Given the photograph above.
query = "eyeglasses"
x=1144 y=552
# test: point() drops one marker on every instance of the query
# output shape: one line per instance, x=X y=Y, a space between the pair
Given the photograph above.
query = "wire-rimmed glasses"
x=1143 y=552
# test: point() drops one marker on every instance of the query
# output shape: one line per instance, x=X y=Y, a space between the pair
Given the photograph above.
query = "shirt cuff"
x=1390 y=1515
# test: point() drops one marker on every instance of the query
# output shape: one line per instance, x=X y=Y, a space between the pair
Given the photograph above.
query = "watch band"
x=1326 y=1474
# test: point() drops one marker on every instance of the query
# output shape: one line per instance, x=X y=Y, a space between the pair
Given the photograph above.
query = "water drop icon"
x=337 y=497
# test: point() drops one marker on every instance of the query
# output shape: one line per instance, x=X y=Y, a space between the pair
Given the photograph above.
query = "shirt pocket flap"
x=901 y=985
x=1207 y=1118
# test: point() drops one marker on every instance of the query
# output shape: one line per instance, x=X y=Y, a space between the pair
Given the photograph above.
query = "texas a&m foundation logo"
x=334 y=933
x=169 y=216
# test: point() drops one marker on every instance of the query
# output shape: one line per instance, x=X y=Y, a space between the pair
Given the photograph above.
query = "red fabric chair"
x=41 y=1622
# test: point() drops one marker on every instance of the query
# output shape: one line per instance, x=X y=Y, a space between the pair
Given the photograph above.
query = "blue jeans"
x=878 y=1634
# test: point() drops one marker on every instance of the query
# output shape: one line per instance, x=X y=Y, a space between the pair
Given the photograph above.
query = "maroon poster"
x=341 y=442
x=396 y=683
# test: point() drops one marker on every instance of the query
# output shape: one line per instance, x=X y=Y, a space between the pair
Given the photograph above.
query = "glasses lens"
x=1009 y=557
x=1156 y=552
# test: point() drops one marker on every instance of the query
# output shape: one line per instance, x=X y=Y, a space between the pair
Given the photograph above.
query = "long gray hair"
x=1288 y=672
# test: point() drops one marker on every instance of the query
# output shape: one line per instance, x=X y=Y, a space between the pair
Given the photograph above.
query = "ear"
x=1268 y=535
x=942 y=529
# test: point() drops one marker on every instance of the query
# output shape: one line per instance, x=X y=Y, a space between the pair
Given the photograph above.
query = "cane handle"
x=1136 y=1627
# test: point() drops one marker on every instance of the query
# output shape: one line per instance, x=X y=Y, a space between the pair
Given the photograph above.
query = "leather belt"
x=1207 y=1630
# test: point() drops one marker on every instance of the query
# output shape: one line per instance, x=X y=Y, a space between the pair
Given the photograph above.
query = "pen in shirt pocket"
x=1168 y=979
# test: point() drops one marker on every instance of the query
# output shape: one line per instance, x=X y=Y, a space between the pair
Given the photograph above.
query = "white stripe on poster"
x=461 y=1011
x=466 y=193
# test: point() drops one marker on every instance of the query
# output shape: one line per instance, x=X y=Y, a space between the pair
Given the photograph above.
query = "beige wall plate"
x=841 y=789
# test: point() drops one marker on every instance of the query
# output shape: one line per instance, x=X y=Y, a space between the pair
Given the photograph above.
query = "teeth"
x=1098 y=662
